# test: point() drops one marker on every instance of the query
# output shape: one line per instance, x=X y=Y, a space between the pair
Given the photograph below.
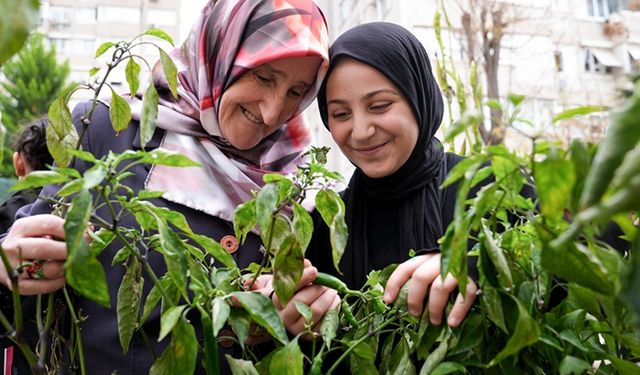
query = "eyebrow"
x=280 y=73
x=366 y=96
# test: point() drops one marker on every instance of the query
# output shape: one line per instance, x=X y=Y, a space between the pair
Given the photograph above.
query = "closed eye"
x=341 y=115
x=380 y=106
x=262 y=79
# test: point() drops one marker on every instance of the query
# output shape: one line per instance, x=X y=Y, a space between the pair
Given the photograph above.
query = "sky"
x=189 y=11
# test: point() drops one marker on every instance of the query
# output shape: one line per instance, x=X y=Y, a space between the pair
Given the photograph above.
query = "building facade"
x=560 y=54
x=78 y=27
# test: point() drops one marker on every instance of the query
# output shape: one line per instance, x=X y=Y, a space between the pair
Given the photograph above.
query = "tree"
x=484 y=23
x=31 y=81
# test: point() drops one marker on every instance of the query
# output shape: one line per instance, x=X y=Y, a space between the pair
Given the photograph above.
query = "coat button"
x=230 y=243
x=227 y=338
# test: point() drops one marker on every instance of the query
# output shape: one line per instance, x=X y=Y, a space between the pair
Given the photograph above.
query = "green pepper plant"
x=554 y=298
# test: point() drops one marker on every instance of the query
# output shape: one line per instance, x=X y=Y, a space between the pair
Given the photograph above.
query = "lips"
x=250 y=116
x=370 y=150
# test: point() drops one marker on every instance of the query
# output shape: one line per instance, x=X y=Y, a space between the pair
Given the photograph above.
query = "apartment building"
x=78 y=27
x=558 y=53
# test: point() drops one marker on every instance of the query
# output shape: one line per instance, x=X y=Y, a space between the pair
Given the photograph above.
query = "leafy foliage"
x=32 y=80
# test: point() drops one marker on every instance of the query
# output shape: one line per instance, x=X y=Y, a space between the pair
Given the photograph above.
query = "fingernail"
x=453 y=322
x=387 y=297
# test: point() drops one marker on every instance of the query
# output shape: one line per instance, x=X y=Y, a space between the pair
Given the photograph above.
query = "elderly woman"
x=246 y=72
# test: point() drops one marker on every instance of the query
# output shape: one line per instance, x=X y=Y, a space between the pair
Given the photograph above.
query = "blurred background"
x=554 y=54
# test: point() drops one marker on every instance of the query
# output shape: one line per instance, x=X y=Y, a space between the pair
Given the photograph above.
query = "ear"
x=18 y=165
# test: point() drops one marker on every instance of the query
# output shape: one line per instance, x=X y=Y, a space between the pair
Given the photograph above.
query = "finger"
x=38 y=226
x=36 y=248
x=400 y=276
x=438 y=296
x=319 y=307
x=462 y=305
x=307 y=295
x=334 y=305
x=419 y=284
x=31 y=287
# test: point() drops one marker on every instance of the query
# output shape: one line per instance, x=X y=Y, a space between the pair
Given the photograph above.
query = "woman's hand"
x=319 y=298
x=36 y=240
x=422 y=272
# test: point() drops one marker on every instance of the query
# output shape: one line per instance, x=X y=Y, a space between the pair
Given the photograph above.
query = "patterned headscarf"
x=230 y=38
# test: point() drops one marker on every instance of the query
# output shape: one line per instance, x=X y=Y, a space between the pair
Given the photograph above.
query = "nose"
x=272 y=110
x=362 y=127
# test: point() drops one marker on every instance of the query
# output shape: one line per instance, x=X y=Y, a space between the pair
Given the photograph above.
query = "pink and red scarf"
x=229 y=39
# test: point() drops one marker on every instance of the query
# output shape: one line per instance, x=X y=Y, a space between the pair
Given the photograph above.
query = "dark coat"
x=102 y=349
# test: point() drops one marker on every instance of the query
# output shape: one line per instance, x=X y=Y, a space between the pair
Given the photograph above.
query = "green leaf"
x=491 y=301
x=19 y=18
x=119 y=112
x=93 y=71
x=71 y=187
x=266 y=202
x=155 y=295
x=287 y=360
x=332 y=210
x=458 y=127
x=497 y=257
x=94 y=176
x=39 y=179
x=132 y=72
x=220 y=311
x=625 y=367
x=526 y=332
x=287 y=269
x=100 y=240
x=60 y=148
x=181 y=354
x=302 y=226
x=445 y=368
x=329 y=326
x=129 y=300
x=160 y=156
x=76 y=221
x=83 y=271
x=577 y=111
x=240 y=322
x=554 y=181
x=82 y=155
x=159 y=34
x=174 y=251
x=244 y=219
x=60 y=117
x=436 y=357
x=240 y=366
x=576 y=263
x=263 y=312
x=515 y=99
x=149 y=114
x=573 y=365
x=169 y=320
x=170 y=72
x=304 y=310
x=400 y=363
x=103 y=48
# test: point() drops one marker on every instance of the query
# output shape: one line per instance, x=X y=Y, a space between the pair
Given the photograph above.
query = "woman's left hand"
x=422 y=272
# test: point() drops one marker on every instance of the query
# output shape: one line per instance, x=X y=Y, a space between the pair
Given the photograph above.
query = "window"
x=603 y=8
x=161 y=17
x=600 y=60
x=63 y=15
x=112 y=14
x=68 y=46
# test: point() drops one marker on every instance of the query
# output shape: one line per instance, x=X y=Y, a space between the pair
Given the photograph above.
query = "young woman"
x=383 y=106
x=246 y=72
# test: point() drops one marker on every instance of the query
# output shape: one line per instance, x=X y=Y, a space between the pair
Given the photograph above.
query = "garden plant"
x=553 y=297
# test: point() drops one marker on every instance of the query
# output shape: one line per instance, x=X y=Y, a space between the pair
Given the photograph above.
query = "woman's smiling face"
x=264 y=98
x=369 y=118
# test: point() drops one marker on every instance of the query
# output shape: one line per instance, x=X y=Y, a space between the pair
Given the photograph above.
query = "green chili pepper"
x=622 y=136
x=379 y=306
x=332 y=282
x=316 y=366
x=348 y=315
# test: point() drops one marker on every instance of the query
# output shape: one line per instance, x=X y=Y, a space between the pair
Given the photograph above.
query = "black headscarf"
x=414 y=188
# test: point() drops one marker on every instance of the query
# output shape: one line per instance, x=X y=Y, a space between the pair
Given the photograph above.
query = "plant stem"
x=76 y=327
x=147 y=342
x=360 y=341
x=265 y=259
x=15 y=291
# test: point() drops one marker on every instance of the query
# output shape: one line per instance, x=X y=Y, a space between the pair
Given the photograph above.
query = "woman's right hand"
x=36 y=238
